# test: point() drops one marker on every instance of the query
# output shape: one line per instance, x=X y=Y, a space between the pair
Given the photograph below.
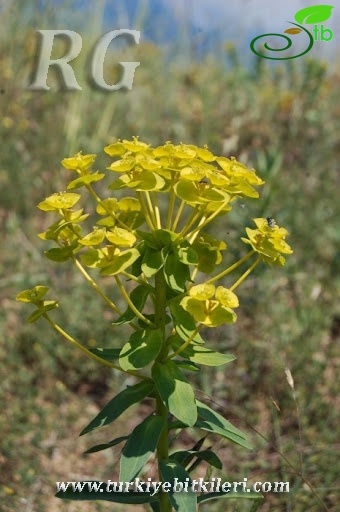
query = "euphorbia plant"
x=156 y=240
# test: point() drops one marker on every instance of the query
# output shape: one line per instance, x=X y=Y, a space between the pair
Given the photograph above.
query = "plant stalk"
x=161 y=410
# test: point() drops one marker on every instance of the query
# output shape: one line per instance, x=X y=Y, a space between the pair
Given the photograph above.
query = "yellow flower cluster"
x=210 y=311
x=191 y=171
x=268 y=240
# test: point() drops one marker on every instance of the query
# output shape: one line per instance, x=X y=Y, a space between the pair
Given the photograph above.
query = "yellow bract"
x=121 y=237
x=79 y=161
x=60 y=201
x=226 y=297
x=94 y=238
x=33 y=295
x=202 y=291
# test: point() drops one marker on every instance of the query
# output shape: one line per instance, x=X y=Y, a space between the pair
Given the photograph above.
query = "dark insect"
x=270 y=222
x=204 y=181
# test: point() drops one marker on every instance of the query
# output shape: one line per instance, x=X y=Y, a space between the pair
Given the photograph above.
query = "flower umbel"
x=268 y=241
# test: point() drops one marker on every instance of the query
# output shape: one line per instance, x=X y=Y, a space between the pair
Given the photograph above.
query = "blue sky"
x=231 y=16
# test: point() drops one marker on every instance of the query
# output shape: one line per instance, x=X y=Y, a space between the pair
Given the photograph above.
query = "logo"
x=96 y=74
x=309 y=16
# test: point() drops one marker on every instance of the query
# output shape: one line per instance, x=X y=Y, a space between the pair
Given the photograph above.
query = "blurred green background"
x=281 y=119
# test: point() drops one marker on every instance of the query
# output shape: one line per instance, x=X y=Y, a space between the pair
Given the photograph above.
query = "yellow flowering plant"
x=153 y=235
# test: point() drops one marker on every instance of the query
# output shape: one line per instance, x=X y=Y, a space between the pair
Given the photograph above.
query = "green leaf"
x=33 y=295
x=132 y=219
x=176 y=273
x=141 y=444
x=152 y=262
x=108 y=354
x=209 y=414
x=138 y=297
x=214 y=422
x=200 y=355
x=187 y=191
x=123 y=165
x=91 y=258
x=183 y=457
x=214 y=195
x=129 y=498
x=314 y=14
x=142 y=348
x=175 y=391
x=60 y=254
x=252 y=495
x=184 y=323
x=164 y=237
x=120 y=183
x=174 y=473
x=226 y=434
x=238 y=186
x=147 y=181
x=85 y=180
x=209 y=252
x=136 y=268
x=119 y=404
x=94 y=238
x=187 y=255
x=153 y=319
x=120 y=237
x=108 y=206
x=129 y=204
x=222 y=315
x=46 y=306
x=187 y=365
x=120 y=263
x=101 y=447
x=148 y=238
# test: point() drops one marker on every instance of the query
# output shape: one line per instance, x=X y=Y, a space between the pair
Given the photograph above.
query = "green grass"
x=286 y=123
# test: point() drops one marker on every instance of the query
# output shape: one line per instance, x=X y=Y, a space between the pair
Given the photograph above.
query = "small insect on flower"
x=270 y=222
x=204 y=181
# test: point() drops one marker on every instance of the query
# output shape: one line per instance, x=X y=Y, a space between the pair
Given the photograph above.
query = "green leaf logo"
x=314 y=14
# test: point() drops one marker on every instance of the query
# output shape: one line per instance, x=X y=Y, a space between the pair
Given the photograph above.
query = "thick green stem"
x=161 y=410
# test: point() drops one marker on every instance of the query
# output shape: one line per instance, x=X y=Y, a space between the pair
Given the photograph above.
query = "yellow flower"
x=268 y=241
x=78 y=162
x=226 y=297
x=59 y=201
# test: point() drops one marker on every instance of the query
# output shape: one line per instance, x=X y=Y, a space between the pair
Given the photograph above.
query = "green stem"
x=230 y=269
x=145 y=211
x=246 y=274
x=163 y=453
x=156 y=209
x=95 y=286
x=200 y=224
x=143 y=282
x=192 y=219
x=99 y=201
x=171 y=206
x=161 y=410
x=88 y=352
x=178 y=215
x=208 y=220
x=185 y=344
x=131 y=304
x=151 y=209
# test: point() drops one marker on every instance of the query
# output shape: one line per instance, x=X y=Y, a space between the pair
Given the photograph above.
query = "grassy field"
x=284 y=121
